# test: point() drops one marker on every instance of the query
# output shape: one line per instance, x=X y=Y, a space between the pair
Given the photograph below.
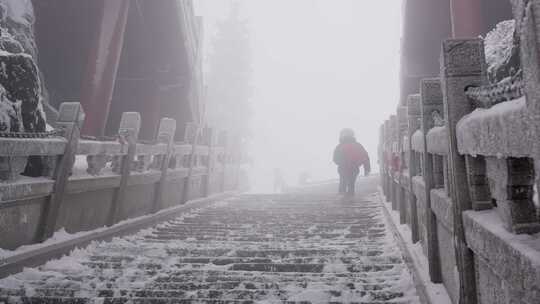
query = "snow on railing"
x=417 y=141
x=437 y=141
x=503 y=130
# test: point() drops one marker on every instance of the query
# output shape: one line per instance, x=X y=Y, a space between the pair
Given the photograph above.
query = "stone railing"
x=467 y=185
x=87 y=184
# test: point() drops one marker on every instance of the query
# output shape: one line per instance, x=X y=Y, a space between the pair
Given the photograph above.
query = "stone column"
x=413 y=117
x=431 y=96
x=462 y=65
x=403 y=187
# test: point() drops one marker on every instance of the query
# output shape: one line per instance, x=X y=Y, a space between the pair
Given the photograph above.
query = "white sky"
x=319 y=66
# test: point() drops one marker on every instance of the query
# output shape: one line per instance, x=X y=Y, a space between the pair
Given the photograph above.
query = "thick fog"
x=317 y=66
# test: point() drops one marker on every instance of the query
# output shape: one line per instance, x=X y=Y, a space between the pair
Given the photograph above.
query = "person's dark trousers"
x=347 y=180
x=342 y=183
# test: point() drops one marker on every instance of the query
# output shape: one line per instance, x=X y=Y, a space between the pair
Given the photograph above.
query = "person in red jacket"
x=349 y=155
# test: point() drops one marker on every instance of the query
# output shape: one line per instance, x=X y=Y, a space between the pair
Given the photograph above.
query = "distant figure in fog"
x=349 y=155
x=279 y=181
x=304 y=178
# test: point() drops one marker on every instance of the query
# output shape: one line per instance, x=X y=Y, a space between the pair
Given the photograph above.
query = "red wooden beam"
x=103 y=60
x=467 y=18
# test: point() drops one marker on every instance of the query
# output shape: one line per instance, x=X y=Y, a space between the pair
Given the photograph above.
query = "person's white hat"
x=346 y=133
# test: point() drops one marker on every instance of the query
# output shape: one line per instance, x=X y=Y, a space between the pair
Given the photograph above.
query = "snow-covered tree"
x=229 y=75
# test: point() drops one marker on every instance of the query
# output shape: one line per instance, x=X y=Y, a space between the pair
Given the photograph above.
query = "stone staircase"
x=296 y=248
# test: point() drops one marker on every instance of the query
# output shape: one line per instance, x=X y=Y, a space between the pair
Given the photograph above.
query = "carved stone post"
x=165 y=135
x=209 y=141
x=403 y=170
x=393 y=170
x=527 y=16
x=381 y=158
x=223 y=142
x=191 y=136
x=511 y=182
x=130 y=125
x=413 y=117
x=463 y=65
x=431 y=95
x=387 y=157
x=70 y=120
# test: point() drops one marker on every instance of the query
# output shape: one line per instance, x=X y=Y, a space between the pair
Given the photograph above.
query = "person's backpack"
x=354 y=154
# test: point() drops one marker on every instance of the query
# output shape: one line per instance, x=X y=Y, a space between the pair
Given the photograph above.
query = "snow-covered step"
x=287 y=249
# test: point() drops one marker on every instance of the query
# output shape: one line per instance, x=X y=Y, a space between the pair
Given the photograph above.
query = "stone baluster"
x=387 y=159
x=208 y=163
x=70 y=120
x=462 y=66
x=223 y=140
x=393 y=170
x=191 y=136
x=96 y=163
x=142 y=163
x=431 y=100
x=11 y=167
x=165 y=135
x=130 y=124
x=413 y=117
x=404 y=165
x=381 y=159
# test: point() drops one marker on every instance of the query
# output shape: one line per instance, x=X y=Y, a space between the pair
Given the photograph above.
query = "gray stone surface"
x=85 y=211
x=478 y=182
x=419 y=188
x=91 y=147
x=442 y=207
x=513 y=263
x=130 y=124
x=511 y=184
x=448 y=261
x=19 y=223
x=80 y=184
x=25 y=188
x=462 y=65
